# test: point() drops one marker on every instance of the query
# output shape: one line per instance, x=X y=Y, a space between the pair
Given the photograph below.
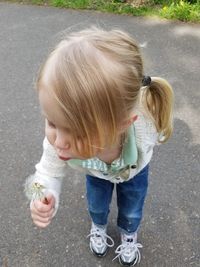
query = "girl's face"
x=58 y=135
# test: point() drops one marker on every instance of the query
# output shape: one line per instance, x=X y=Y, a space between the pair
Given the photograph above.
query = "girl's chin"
x=74 y=157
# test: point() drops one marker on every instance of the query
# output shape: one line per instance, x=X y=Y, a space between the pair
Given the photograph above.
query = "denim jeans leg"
x=99 y=195
x=130 y=201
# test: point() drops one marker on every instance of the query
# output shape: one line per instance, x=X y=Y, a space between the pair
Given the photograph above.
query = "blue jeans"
x=130 y=200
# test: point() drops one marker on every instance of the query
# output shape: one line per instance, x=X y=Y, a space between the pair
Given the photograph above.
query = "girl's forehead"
x=50 y=107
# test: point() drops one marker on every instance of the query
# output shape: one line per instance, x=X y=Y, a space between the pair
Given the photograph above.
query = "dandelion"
x=35 y=190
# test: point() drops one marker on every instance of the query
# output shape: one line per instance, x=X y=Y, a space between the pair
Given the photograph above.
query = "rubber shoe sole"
x=99 y=255
x=126 y=263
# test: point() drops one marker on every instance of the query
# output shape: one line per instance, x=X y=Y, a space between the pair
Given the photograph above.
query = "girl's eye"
x=51 y=124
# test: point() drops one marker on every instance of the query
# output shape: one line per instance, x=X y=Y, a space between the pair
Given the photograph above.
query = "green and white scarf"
x=119 y=167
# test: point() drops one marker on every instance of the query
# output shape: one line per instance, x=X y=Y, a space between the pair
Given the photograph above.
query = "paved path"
x=170 y=230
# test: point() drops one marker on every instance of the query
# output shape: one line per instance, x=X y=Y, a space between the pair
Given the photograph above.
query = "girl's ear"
x=128 y=122
x=133 y=118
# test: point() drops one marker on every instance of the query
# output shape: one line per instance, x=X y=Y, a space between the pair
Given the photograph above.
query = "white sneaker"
x=128 y=252
x=98 y=240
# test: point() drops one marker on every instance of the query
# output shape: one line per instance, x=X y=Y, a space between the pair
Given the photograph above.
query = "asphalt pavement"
x=170 y=230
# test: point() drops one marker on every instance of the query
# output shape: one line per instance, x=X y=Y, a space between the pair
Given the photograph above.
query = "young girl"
x=103 y=116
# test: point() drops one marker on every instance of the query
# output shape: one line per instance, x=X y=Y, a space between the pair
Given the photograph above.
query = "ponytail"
x=157 y=98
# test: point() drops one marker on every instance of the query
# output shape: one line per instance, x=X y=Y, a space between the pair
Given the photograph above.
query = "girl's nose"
x=62 y=142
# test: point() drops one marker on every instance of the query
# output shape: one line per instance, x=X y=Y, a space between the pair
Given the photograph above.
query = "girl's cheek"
x=51 y=135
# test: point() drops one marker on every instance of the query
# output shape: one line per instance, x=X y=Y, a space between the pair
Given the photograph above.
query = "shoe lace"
x=129 y=247
x=99 y=235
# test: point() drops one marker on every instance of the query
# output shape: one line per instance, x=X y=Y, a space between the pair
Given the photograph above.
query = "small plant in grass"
x=182 y=10
x=71 y=4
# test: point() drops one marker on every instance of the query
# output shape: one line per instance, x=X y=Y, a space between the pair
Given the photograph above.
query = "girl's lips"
x=63 y=158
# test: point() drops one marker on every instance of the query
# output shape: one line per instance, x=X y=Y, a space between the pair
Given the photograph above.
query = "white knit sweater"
x=51 y=170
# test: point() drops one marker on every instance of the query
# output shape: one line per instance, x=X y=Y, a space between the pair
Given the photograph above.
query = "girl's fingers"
x=42 y=211
x=42 y=214
x=40 y=219
x=41 y=224
x=38 y=206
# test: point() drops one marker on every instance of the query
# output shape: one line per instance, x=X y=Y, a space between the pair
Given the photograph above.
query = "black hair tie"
x=146 y=80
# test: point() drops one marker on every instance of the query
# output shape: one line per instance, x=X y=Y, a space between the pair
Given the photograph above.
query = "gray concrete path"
x=170 y=231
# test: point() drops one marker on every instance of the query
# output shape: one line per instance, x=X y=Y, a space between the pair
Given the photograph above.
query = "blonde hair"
x=95 y=76
x=157 y=98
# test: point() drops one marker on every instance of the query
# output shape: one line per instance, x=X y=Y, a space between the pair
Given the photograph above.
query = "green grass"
x=80 y=4
x=184 y=10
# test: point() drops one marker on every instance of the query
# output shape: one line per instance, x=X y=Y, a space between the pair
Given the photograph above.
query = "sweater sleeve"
x=48 y=176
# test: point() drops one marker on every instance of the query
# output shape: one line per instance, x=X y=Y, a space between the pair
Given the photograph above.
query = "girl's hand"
x=42 y=211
